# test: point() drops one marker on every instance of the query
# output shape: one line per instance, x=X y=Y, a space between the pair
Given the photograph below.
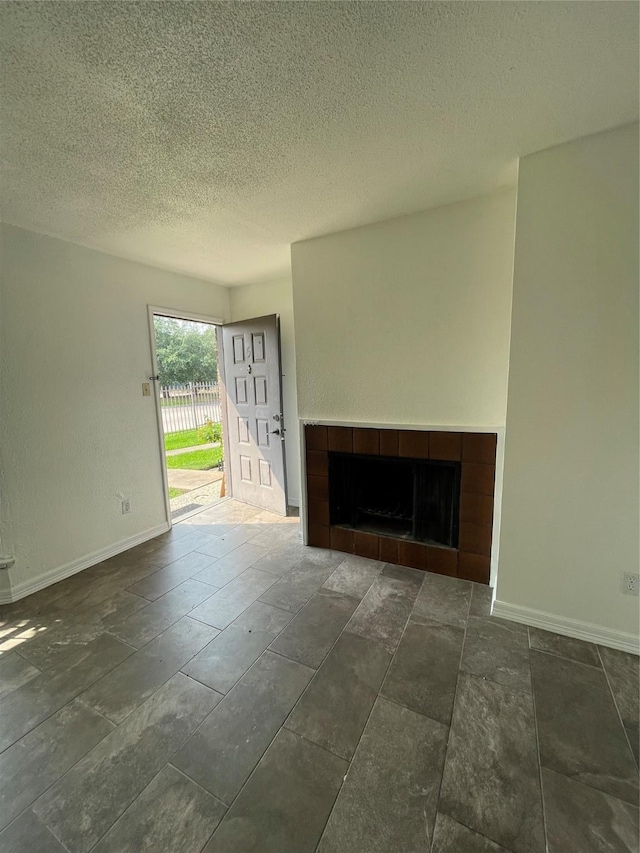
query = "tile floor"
x=225 y=689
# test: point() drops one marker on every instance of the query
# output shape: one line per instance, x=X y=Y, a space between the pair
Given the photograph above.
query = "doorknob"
x=279 y=432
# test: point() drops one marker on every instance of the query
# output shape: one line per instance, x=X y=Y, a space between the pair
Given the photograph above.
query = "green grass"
x=198 y=460
x=186 y=438
x=175 y=493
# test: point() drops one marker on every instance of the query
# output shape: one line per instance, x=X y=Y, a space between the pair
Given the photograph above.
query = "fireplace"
x=413 y=499
x=416 y=498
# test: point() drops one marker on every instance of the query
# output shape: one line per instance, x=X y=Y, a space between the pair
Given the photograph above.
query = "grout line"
x=95 y=711
x=453 y=709
x=314 y=669
x=537 y=733
x=565 y=657
x=615 y=704
x=26 y=660
x=378 y=695
x=413 y=710
x=586 y=786
x=50 y=830
x=280 y=728
x=245 y=783
x=318 y=746
x=193 y=782
x=284 y=724
x=268 y=648
x=333 y=645
x=134 y=650
x=168 y=761
x=59 y=778
x=48 y=677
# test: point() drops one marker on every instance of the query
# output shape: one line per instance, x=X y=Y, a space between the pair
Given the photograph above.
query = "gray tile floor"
x=223 y=688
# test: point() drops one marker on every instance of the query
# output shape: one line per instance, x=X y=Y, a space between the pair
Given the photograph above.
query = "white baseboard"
x=21 y=590
x=568 y=627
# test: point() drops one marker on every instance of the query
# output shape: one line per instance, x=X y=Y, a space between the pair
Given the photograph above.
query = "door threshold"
x=204 y=508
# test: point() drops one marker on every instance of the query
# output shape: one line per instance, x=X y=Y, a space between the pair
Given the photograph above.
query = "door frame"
x=153 y=310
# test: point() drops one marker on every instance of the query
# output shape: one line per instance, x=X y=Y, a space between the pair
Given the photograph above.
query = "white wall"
x=258 y=300
x=76 y=432
x=570 y=499
x=407 y=321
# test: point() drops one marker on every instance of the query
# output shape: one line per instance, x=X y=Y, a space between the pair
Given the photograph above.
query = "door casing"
x=152 y=311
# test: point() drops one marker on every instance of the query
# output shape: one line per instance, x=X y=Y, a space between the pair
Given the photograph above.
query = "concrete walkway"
x=183 y=478
x=180 y=450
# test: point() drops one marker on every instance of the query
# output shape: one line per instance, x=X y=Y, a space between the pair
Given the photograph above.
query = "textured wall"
x=76 y=431
x=570 y=499
x=407 y=321
x=256 y=300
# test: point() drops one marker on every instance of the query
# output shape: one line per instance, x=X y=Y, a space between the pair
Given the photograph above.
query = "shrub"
x=210 y=431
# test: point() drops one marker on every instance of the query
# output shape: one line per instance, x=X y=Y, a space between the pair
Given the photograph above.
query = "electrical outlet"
x=630 y=583
x=126 y=506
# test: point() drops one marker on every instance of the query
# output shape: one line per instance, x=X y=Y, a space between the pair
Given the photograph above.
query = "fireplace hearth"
x=416 y=498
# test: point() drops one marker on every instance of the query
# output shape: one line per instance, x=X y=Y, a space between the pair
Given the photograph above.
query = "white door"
x=251 y=393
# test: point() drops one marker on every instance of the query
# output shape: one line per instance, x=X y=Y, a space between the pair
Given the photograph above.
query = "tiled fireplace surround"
x=477 y=454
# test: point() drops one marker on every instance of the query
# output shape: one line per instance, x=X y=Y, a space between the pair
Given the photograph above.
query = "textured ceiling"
x=206 y=137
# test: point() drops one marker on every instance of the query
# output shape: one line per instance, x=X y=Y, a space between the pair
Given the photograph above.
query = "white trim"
x=159 y=427
x=568 y=627
x=419 y=427
x=185 y=315
x=54 y=575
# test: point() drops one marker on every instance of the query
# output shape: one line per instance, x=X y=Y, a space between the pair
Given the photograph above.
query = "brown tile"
x=442 y=561
x=388 y=442
x=315 y=437
x=413 y=444
x=477 y=478
x=412 y=554
x=367 y=544
x=477 y=509
x=342 y=539
x=474 y=567
x=388 y=550
x=366 y=441
x=318 y=463
x=317 y=488
x=319 y=536
x=341 y=439
x=445 y=445
x=475 y=538
x=318 y=512
x=479 y=447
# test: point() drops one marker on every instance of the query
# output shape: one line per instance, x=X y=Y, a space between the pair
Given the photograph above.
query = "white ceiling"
x=206 y=137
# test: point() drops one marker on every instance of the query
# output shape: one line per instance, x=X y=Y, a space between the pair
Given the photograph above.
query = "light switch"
x=146 y=389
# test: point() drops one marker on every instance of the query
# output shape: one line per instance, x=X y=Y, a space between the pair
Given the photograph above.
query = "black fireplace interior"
x=413 y=499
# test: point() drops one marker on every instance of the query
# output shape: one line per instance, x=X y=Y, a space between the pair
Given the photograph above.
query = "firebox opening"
x=413 y=499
